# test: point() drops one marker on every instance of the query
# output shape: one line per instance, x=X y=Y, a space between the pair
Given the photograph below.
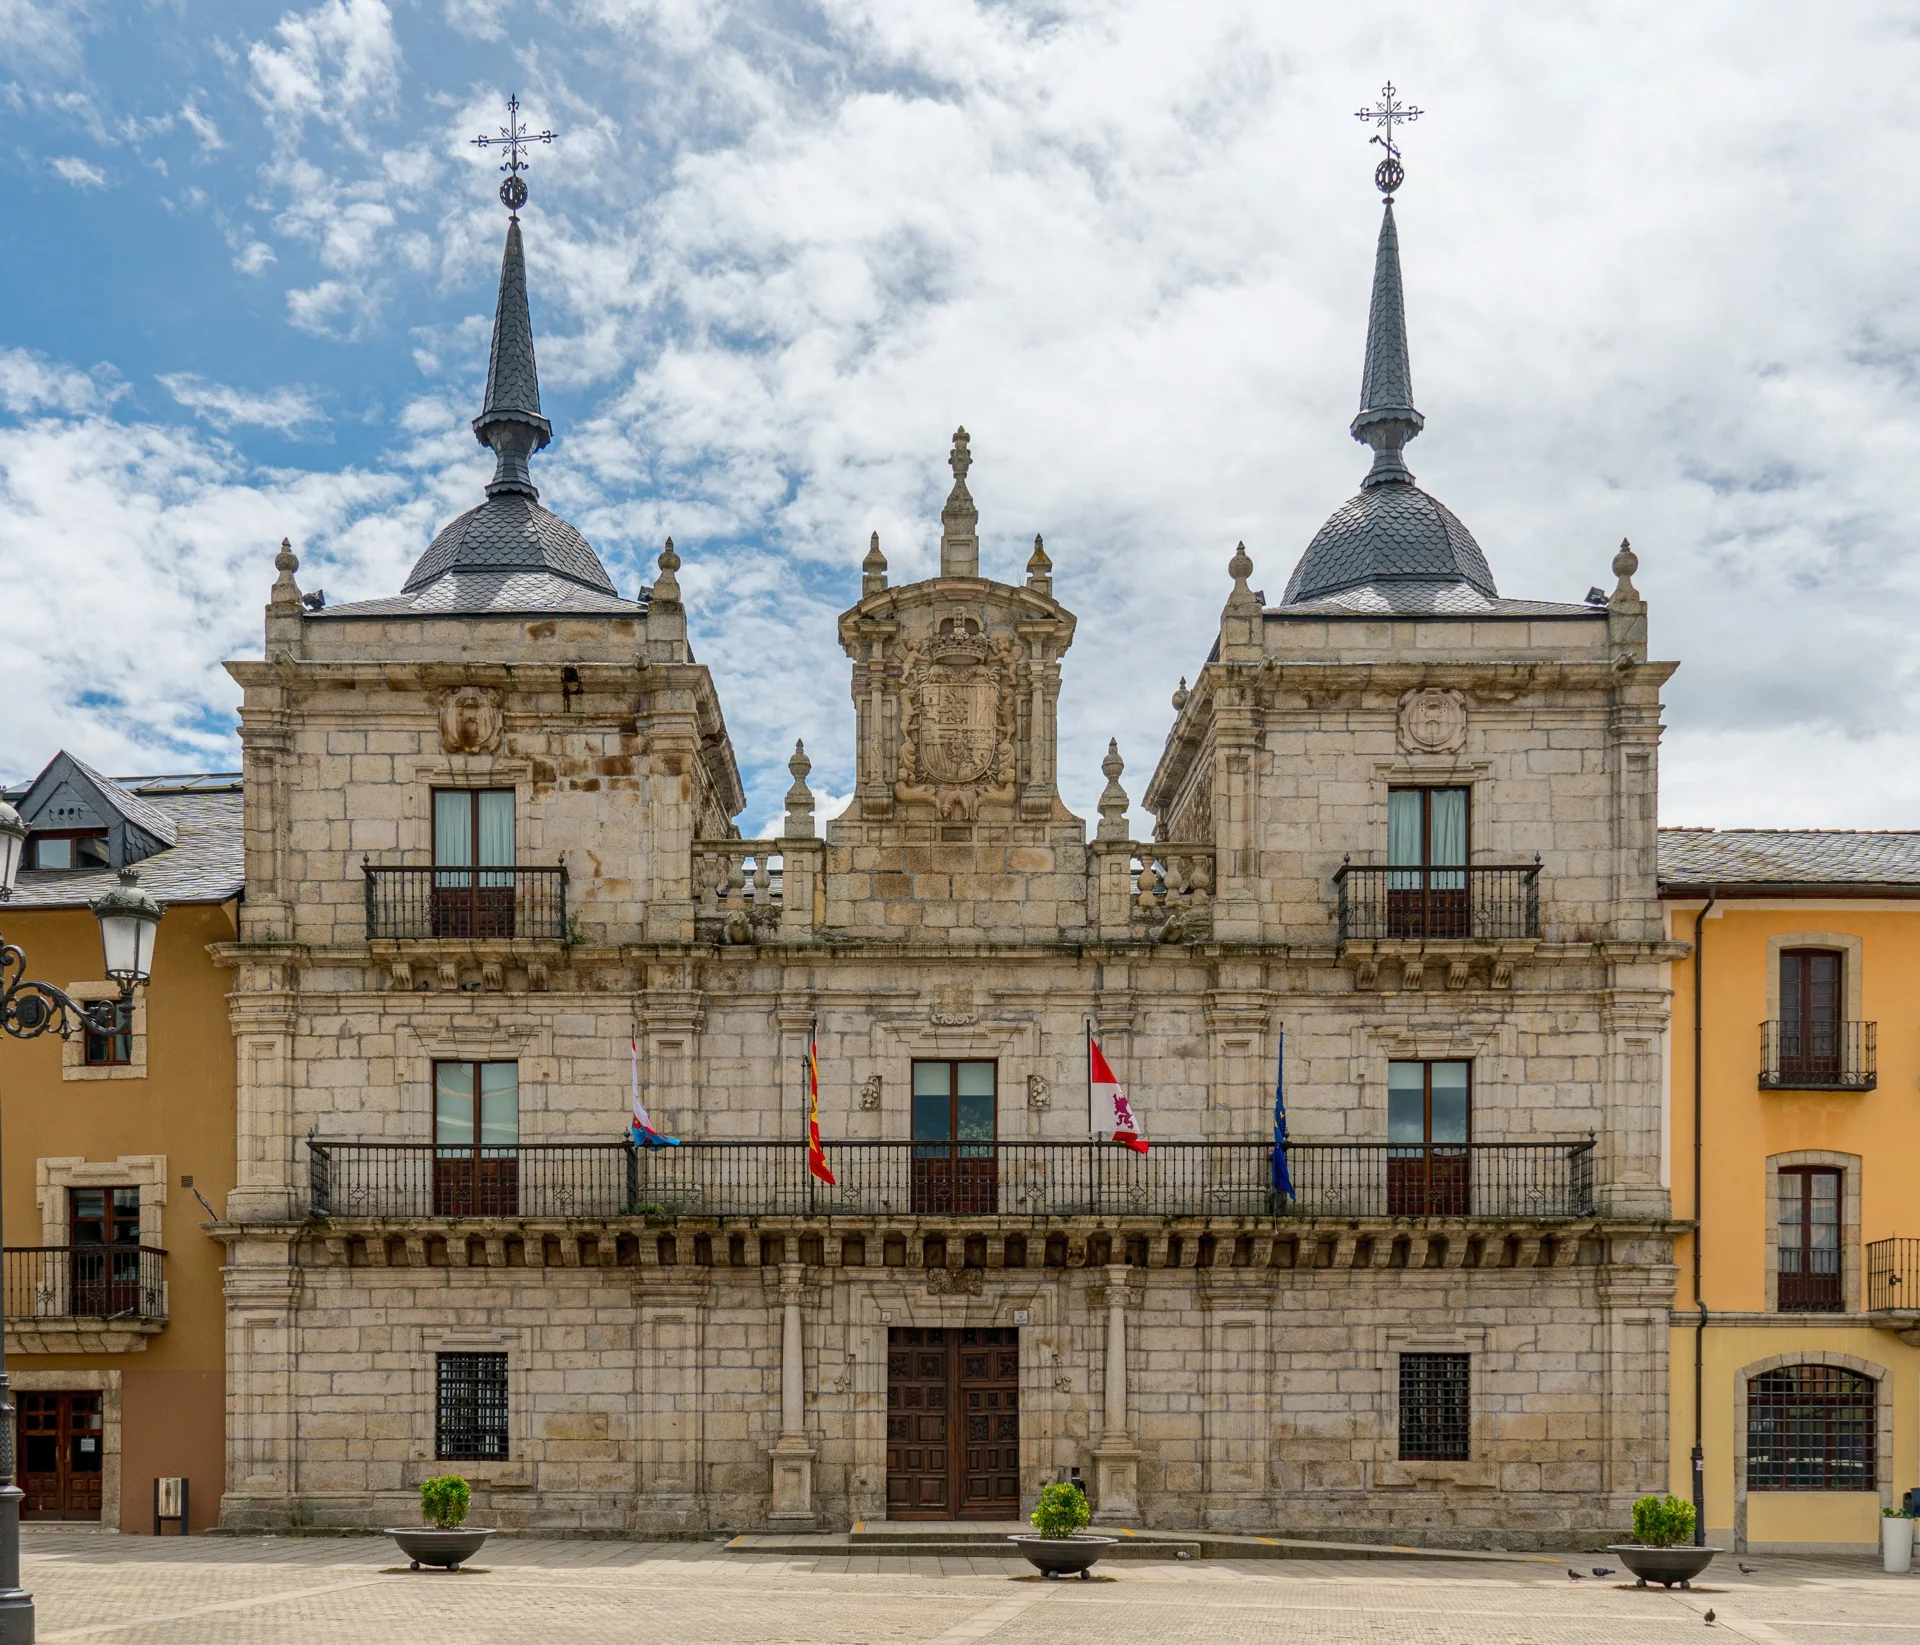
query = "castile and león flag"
x=1107 y=1099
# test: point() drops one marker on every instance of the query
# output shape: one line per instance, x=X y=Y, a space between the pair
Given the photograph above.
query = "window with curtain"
x=473 y=859
x=1427 y=862
x=1809 y=1240
x=955 y=1125
x=476 y=1135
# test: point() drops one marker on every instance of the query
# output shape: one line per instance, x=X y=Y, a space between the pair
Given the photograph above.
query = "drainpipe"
x=1699 y=1301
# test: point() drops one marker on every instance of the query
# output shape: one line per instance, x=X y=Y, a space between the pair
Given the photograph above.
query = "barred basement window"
x=1434 y=1407
x=1811 y=1428
x=470 y=1417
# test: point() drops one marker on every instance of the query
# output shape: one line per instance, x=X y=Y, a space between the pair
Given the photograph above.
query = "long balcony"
x=1513 y=1181
x=1471 y=904
x=83 y=1298
x=477 y=904
x=1838 y=1056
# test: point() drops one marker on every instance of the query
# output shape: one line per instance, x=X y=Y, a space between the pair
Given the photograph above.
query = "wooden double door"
x=953 y=1423
x=62 y=1440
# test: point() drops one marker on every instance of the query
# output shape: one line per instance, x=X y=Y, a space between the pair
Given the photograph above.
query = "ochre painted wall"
x=1745 y=1126
x=174 y=1392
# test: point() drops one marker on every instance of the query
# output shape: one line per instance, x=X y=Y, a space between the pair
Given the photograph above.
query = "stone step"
x=987 y=1540
x=935 y=1544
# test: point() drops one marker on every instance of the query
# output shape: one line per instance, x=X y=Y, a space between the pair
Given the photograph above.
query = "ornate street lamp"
x=129 y=921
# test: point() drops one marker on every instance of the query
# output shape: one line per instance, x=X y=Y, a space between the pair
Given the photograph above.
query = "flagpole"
x=812 y=1098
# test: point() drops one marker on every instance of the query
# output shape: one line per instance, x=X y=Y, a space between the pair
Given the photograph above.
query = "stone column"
x=1116 y=1461
x=793 y=1456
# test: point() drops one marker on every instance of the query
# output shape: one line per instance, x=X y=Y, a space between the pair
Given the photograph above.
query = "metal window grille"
x=1434 y=1407
x=471 y=1412
x=1811 y=1428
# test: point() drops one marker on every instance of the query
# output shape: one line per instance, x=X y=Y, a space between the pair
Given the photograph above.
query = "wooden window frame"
x=1430 y=1178
x=1813 y=1298
x=475 y=1178
x=114 y=1050
x=483 y=901
x=31 y=858
x=954 y=1176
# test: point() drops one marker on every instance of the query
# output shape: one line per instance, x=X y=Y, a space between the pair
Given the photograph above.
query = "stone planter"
x=1058 y=1556
x=1896 y=1545
x=1665 y=1566
x=425 y=1545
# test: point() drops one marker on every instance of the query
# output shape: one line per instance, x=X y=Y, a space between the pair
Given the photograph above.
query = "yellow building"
x=115 y=1333
x=1797 y=1312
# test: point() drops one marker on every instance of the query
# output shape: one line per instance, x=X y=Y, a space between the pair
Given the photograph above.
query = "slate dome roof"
x=1389 y=533
x=510 y=532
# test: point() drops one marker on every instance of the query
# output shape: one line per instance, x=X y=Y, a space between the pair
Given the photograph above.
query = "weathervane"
x=1389 y=174
x=515 y=137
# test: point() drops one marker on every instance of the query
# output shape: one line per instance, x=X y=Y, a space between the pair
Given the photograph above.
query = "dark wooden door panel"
x=62 y=1440
x=953 y=1423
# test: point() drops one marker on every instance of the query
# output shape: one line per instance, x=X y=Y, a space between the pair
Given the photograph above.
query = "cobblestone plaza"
x=282 y=1590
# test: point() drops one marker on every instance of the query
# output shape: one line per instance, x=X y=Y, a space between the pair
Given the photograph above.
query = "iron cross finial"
x=514 y=138
x=1389 y=174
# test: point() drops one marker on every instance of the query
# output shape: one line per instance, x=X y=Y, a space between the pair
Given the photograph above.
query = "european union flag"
x=1282 y=1178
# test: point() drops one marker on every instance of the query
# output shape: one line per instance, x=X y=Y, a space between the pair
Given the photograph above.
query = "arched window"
x=1811 y=1428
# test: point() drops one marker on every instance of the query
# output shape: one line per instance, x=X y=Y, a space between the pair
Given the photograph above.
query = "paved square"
x=309 y=1591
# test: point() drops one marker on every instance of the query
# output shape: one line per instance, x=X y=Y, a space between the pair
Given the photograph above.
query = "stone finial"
x=873 y=569
x=1113 y=798
x=666 y=587
x=1180 y=695
x=1240 y=568
x=286 y=592
x=1625 y=564
x=799 y=823
x=1040 y=568
x=960 y=520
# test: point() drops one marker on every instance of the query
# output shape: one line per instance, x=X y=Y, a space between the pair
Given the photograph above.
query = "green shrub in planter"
x=443 y=1501
x=1662 y=1521
x=1061 y=1510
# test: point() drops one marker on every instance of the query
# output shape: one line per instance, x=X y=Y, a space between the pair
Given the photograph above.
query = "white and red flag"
x=1109 y=1101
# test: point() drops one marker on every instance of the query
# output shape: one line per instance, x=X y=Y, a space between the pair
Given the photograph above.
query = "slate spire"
x=1387 y=418
x=510 y=423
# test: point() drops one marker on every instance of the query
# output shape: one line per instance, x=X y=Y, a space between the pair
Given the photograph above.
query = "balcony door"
x=1429 y=1120
x=1427 y=863
x=473 y=859
x=1810 y=1278
x=62 y=1440
x=476 y=1137
x=954 y=1126
x=1810 y=1008
x=103 y=1252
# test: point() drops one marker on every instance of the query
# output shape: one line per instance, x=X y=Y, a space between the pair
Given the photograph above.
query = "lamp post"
x=129 y=921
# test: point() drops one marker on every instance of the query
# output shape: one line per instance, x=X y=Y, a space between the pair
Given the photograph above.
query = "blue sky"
x=1659 y=286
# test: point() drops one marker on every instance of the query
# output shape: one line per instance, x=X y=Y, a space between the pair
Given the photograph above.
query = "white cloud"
x=72 y=169
x=285 y=410
x=29 y=383
x=333 y=59
x=202 y=125
x=253 y=257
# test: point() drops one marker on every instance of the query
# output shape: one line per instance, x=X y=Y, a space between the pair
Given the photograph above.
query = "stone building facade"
x=1402 y=860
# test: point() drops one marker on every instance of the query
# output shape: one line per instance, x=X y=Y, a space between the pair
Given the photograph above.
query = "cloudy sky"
x=1660 y=285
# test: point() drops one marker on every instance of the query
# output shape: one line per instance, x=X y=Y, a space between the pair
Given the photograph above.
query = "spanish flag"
x=816 y=1156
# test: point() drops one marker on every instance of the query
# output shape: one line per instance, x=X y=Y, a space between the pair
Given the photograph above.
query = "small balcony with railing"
x=416 y=904
x=881 y=1181
x=1818 y=1056
x=1474 y=903
x=79 y=1299
x=1893 y=1286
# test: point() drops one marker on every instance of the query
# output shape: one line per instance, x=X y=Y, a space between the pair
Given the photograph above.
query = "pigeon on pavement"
x=1746 y=1570
x=1603 y=1570
x=1709 y=1616
x=1577 y=1577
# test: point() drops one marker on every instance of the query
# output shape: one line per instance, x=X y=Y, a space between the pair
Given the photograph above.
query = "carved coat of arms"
x=957 y=719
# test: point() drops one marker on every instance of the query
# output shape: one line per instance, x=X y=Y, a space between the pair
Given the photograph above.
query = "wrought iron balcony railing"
x=1838 y=1056
x=1515 y=1181
x=1893 y=1275
x=470 y=903
x=86 y=1282
x=1395 y=904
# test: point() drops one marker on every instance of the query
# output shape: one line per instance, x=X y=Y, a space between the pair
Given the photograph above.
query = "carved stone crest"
x=1039 y=1091
x=470 y=720
x=957 y=719
x=953 y=1008
x=1433 y=721
x=870 y=1093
